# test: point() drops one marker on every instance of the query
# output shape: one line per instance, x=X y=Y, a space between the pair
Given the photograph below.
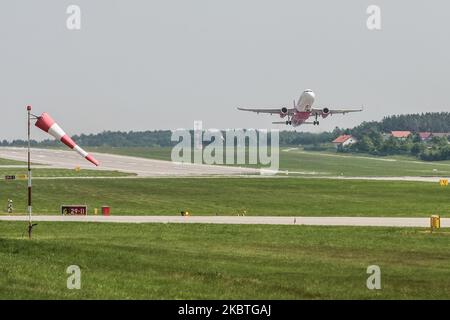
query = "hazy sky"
x=138 y=65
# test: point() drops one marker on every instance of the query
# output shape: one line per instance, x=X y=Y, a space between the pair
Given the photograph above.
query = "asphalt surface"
x=310 y=221
x=141 y=166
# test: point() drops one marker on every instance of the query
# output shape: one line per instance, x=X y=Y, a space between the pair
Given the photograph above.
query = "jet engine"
x=325 y=112
x=284 y=112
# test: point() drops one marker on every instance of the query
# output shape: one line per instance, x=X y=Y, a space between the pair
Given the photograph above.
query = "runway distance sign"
x=11 y=177
x=74 y=210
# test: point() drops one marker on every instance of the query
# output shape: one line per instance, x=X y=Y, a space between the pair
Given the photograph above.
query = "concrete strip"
x=310 y=221
x=404 y=178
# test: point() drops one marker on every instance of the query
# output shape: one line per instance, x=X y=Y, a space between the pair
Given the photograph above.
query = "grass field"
x=52 y=173
x=300 y=162
x=157 y=261
x=357 y=165
x=169 y=261
x=231 y=196
x=6 y=162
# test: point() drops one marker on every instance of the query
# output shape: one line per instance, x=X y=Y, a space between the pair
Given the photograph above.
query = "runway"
x=141 y=166
x=253 y=220
x=146 y=168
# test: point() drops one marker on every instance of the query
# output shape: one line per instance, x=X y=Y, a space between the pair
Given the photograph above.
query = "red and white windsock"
x=47 y=124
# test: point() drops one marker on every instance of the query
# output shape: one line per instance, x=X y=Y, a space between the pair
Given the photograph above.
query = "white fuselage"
x=305 y=101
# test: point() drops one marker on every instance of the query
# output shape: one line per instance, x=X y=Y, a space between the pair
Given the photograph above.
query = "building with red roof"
x=401 y=134
x=345 y=140
x=425 y=136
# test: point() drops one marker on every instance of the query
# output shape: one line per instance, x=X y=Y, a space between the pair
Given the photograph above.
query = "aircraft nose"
x=310 y=94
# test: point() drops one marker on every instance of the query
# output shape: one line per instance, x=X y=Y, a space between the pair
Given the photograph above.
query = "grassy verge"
x=6 y=162
x=221 y=262
x=231 y=196
x=57 y=173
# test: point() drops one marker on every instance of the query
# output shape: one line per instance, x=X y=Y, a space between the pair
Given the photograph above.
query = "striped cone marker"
x=47 y=124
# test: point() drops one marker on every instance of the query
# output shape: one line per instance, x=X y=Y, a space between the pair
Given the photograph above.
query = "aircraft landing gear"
x=316 y=122
x=289 y=121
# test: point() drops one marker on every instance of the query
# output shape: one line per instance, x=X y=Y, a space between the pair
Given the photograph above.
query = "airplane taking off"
x=302 y=111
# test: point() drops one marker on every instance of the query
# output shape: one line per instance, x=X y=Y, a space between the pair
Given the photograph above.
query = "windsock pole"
x=47 y=124
x=30 y=208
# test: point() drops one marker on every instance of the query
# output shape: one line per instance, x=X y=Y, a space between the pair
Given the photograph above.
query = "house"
x=402 y=135
x=344 y=141
x=425 y=136
x=440 y=134
x=444 y=135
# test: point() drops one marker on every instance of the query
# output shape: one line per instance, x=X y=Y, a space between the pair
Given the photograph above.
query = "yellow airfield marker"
x=435 y=222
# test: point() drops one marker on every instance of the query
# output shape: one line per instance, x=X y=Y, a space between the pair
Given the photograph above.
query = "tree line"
x=423 y=122
x=162 y=138
x=371 y=137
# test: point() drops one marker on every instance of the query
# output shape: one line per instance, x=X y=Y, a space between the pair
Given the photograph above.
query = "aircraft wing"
x=284 y=122
x=335 y=111
x=269 y=111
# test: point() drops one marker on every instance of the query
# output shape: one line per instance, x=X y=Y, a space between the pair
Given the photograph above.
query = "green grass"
x=6 y=162
x=56 y=173
x=167 y=261
x=336 y=164
x=230 y=196
x=300 y=162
